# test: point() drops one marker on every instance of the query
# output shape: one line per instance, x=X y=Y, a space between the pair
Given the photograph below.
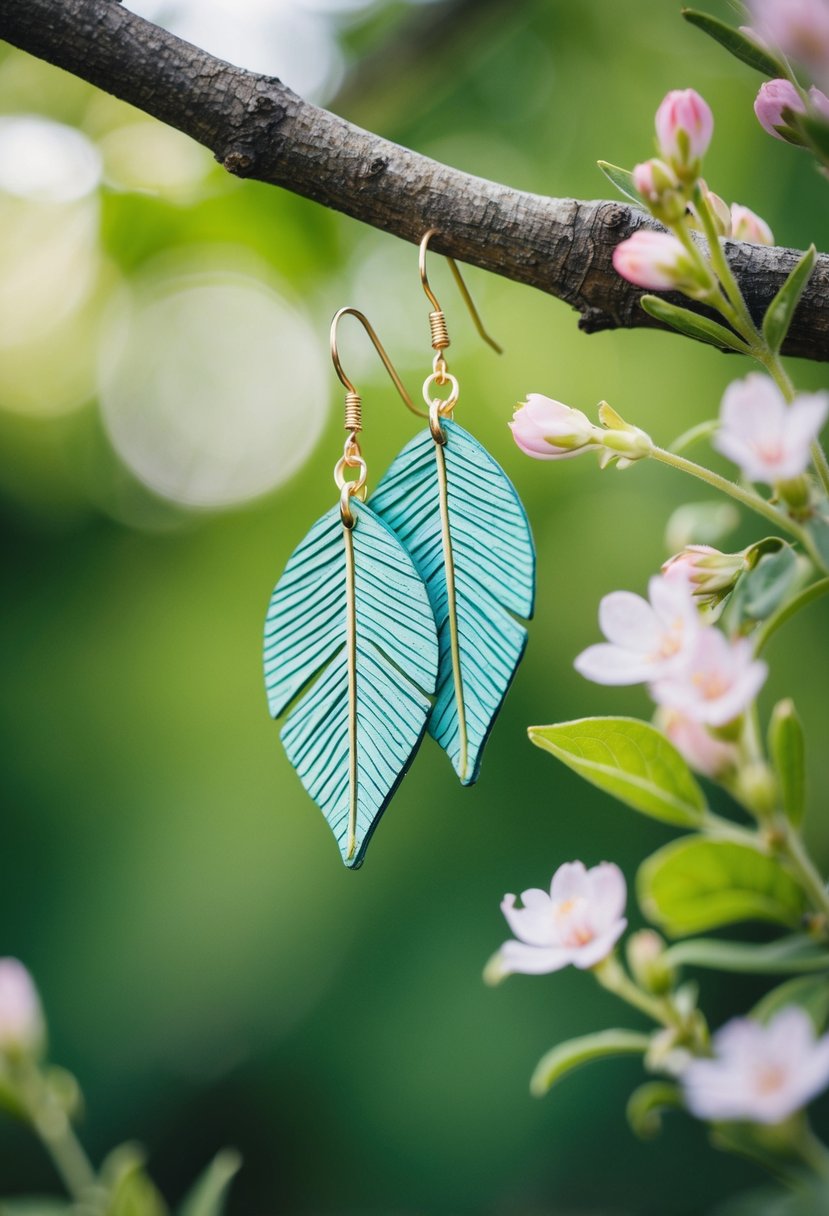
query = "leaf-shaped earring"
x=458 y=514
x=351 y=645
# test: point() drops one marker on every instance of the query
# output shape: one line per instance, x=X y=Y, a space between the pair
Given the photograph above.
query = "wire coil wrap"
x=440 y=334
x=353 y=412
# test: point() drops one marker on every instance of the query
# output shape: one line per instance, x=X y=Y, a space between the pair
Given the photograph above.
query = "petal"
x=752 y=407
x=531 y=925
x=606 y=664
x=608 y=894
x=532 y=960
x=569 y=882
x=628 y=620
x=672 y=601
x=732 y=703
x=599 y=948
x=745 y=457
x=806 y=416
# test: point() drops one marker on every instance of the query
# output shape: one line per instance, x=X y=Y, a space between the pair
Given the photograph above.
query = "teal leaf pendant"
x=458 y=514
x=350 y=640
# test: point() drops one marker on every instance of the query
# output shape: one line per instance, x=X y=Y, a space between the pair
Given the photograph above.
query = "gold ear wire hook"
x=353 y=405
x=437 y=320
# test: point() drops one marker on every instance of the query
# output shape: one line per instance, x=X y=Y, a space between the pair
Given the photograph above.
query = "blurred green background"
x=168 y=425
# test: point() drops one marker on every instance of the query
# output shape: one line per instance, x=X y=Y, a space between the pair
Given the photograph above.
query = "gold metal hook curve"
x=464 y=290
x=378 y=346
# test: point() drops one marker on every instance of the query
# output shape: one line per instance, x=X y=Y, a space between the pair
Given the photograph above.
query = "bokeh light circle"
x=46 y=161
x=213 y=388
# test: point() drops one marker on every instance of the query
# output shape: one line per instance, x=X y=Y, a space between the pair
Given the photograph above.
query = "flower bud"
x=746 y=226
x=659 y=187
x=547 y=430
x=22 y=1029
x=646 y=959
x=710 y=574
x=796 y=493
x=776 y=100
x=799 y=29
x=684 y=126
x=660 y=262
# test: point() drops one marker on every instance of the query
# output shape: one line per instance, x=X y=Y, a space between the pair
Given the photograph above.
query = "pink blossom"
x=761 y=1074
x=820 y=102
x=21 y=1017
x=655 y=260
x=707 y=755
x=767 y=438
x=746 y=226
x=579 y=922
x=684 y=126
x=717 y=681
x=644 y=639
x=774 y=97
x=548 y=430
x=798 y=28
x=653 y=178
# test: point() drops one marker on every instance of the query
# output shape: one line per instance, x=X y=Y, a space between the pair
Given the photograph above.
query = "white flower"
x=761 y=1074
x=644 y=640
x=767 y=438
x=717 y=681
x=21 y=1017
x=579 y=922
x=703 y=752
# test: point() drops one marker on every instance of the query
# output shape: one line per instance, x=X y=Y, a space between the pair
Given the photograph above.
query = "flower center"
x=770 y=1078
x=570 y=926
x=770 y=451
x=711 y=684
x=671 y=640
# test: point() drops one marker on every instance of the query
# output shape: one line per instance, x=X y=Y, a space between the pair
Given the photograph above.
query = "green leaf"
x=818 y=528
x=735 y=42
x=780 y=312
x=760 y=591
x=696 y=883
x=131 y=1192
x=631 y=760
x=787 y=749
x=207 y=1197
x=810 y=992
x=574 y=1053
x=795 y=954
x=646 y=1104
x=693 y=325
x=816 y=132
x=622 y=179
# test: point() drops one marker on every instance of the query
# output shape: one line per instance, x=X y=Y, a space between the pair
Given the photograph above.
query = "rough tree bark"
x=257 y=127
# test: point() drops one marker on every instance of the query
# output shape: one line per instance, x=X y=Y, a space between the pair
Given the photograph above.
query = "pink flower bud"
x=710 y=574
x=820 y=103
x=21 y=1018
x=684 y=126
x=548 y=430
x=774 y=97
x=653 y=178
x=657 y=261
x=746 y=226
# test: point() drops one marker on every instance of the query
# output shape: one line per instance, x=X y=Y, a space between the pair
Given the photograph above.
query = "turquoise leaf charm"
x=459 y=516
x=350 y=632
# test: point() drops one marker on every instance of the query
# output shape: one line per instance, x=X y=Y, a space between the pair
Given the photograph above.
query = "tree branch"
x=257 y=127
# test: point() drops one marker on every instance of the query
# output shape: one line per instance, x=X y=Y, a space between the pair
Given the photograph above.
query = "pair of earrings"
x=397 y=614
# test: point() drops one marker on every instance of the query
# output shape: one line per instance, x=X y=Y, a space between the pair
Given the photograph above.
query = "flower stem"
x=744 y=324
x=747 y=497
x=791 y=848
x=803 y=598
x=51 y=1123
x=612 y=976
